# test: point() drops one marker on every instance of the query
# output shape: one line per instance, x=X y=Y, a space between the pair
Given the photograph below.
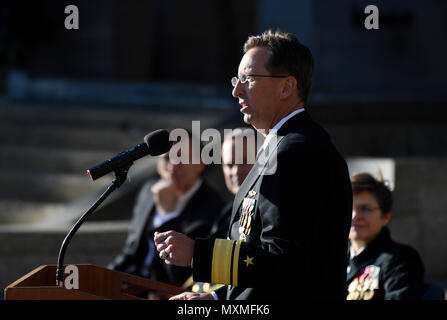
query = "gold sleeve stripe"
x=221 y=263
x=188 y=283
x=236 y=262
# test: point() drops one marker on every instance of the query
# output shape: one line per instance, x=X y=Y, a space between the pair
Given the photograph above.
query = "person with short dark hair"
x=288 y=234
x=379 y=268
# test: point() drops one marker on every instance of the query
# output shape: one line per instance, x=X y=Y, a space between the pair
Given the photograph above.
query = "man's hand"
x=192 y=296
x=177 y=248
x=165 y=195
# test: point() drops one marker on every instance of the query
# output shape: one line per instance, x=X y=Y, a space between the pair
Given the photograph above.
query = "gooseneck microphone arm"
x=120 y=178
x=155 y=143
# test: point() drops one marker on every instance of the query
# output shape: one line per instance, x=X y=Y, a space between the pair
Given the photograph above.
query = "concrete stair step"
x=79 y=116
x=45 y=187
x=20 y=212
x=117 y=118
x=63 y=137
x=60 y=199
x=50 y=160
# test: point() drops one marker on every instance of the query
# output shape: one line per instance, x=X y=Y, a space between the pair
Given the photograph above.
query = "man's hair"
x=362 y=182
x=289 y=56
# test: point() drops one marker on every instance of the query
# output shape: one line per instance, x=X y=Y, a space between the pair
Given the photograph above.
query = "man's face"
x=235 y=163
x=367 y=218
x=182 y=175
x=259 y=95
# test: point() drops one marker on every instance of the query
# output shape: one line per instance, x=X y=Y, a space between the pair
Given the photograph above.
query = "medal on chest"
x=363 y=285
x=247 y=212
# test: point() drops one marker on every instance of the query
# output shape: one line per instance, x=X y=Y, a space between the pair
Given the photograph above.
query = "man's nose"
x=355 y=214
x=238 y=89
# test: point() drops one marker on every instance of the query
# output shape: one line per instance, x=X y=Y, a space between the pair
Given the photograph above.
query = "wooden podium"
x=95 y=283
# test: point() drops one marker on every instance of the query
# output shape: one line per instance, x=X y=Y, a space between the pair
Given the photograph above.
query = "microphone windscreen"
x=158 y=142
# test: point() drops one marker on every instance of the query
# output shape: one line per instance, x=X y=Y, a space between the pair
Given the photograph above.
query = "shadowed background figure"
x=180 y=200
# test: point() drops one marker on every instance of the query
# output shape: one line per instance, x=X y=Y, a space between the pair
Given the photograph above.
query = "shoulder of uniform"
x=399 y=254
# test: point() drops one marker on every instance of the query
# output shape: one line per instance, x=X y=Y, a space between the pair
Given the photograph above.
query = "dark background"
x=72 y=98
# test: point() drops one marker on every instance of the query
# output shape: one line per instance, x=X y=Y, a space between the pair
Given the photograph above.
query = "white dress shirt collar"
x=277 y=126
x=181 y=203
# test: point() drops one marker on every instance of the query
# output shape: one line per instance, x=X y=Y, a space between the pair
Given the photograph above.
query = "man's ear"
x=288 y=87
x=386 y=218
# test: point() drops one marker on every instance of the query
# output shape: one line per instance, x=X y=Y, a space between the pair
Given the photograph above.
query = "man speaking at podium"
x=291 y=216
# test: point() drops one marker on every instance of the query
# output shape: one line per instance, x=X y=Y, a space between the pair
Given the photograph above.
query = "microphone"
x=155 y=143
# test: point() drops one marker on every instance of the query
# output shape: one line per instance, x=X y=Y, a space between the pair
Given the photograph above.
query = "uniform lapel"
x=369 y=255
x=253 y=176
x=355 y=268
x=254 y=173
x=248 y=182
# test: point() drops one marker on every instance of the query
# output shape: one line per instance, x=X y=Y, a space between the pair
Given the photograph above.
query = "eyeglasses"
x=244 y=77
x=365 y=209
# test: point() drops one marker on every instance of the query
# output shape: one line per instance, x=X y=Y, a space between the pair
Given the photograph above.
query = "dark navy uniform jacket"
x=386 y=270
x=295 y=220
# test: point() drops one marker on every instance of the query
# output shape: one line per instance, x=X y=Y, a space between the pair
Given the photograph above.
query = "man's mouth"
x=244 y=106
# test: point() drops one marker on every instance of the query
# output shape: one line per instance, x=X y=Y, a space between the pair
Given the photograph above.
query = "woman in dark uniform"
x=379 y=268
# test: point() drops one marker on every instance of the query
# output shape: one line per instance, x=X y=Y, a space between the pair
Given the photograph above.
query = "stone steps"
x=50 y=159
x=44 y=187
x=46 y=148
x=98 y=116
x=20 y=212
x=37 y=136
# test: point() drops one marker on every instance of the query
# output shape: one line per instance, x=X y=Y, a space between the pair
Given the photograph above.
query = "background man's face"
x=235 y=163
x=183 y=175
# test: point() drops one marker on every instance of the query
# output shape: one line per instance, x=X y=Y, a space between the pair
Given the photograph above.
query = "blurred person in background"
x=179 y=200
x=379 y=268
x=238 y=156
